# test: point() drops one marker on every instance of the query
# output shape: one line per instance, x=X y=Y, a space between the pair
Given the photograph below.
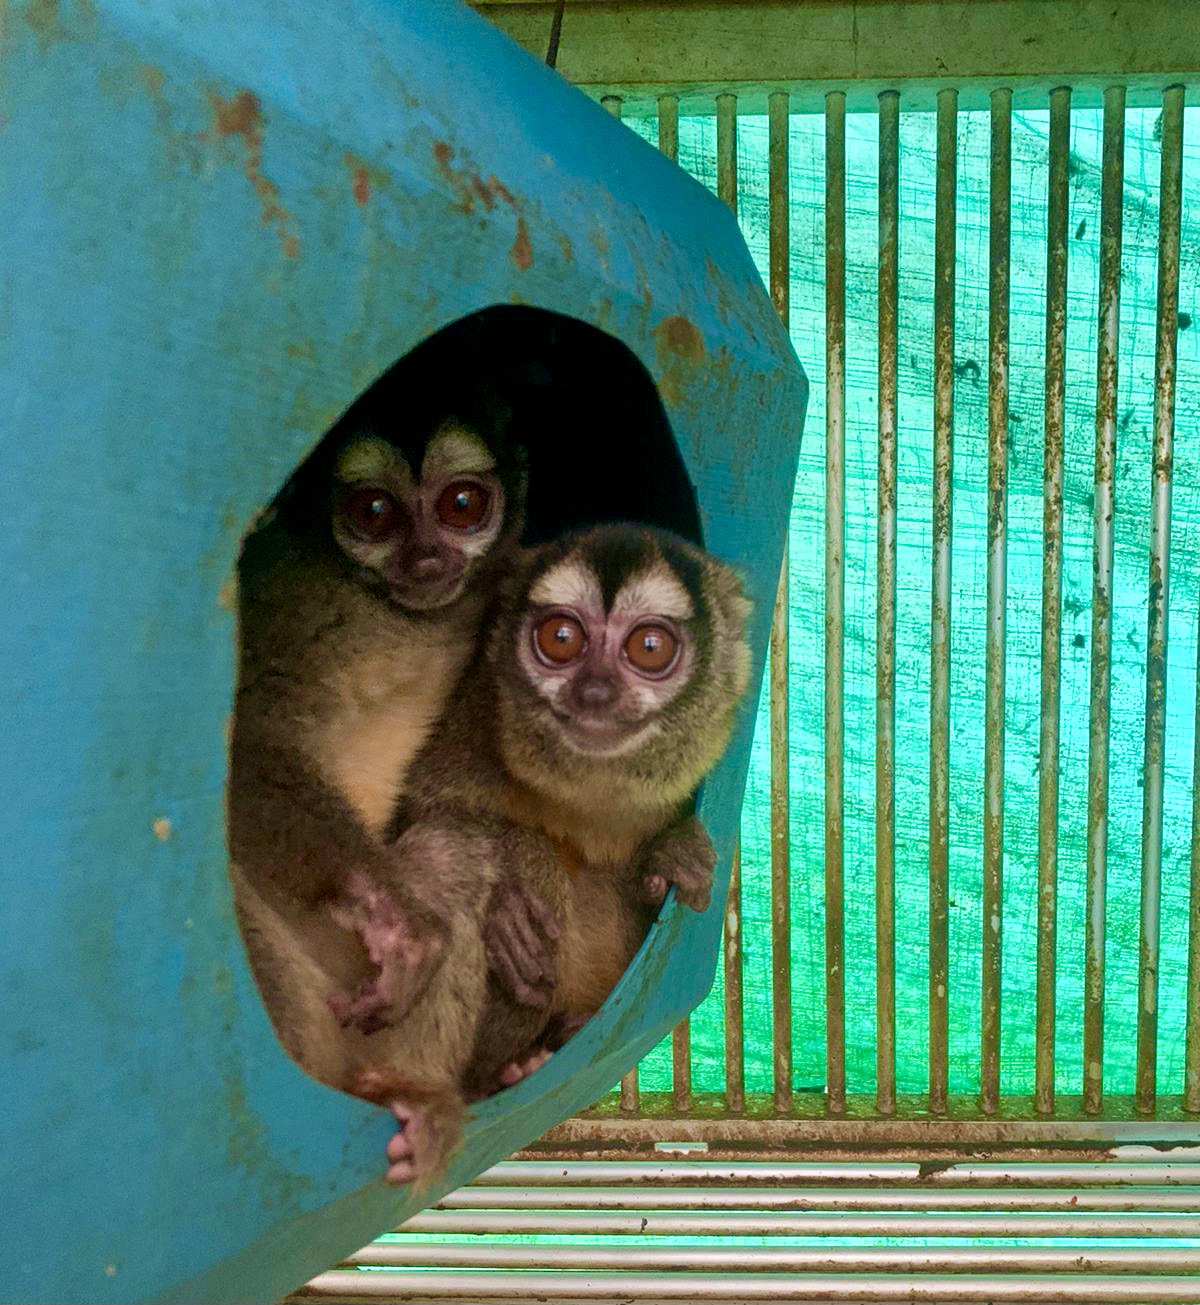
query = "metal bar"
x=668 y=126
x=1170 y=204
x=483 y=1288
x=1052 y=556
x=999 y=241
x=681 y=1036
x=781 y=915
x=857 y=1129
x=1102 y=571
x=613 y=104
x=835 y=550
x=876 y=1174
x=735 y=1091
x=630 y=1097
x=943 y=516
x=885 y=617
x=1072 y=1200
x=770 y=1259
x=783 y=1223
x=1191 y=1064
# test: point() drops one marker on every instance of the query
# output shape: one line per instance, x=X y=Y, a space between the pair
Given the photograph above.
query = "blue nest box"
x=219 y=223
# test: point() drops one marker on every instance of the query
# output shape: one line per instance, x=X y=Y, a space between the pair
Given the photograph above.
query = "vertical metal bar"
x=835 y=537
x=1052 y=554
x=781 y=914
x=668 y=126
x=885 y=619
x=735 y=1092
x=1170 y=203
x=1102 y=572
x=681 y=1037
x=612 y=103
x=630 y=1098
x=1191 y=1064
x=1000 y=203
x=939 y=691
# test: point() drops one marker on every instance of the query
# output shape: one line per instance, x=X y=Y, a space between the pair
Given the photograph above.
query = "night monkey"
x=546 y=816
x=360 y=603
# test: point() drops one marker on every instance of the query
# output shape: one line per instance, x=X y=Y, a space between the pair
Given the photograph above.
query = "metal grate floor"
x=1122 y=1230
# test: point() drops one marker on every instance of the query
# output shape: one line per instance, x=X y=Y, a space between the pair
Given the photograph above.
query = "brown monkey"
x=545 y=817
x=359 y=604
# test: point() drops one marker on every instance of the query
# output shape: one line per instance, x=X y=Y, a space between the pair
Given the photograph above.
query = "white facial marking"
x=454 y=451
x=568 y=584
x=656 y=592
x=371 y=458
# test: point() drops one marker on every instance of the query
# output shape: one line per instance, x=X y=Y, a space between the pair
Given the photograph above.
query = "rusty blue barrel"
x=218 y=224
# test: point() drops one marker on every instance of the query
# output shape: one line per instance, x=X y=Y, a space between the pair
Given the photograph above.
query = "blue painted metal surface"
x=218 y=222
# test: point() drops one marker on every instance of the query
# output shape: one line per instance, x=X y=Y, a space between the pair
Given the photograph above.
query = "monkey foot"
x=405 y=954
x=516 y=1071
x=429 y=1122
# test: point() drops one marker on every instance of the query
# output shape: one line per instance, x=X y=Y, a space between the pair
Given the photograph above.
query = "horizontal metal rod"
x=1114 y=1173
x=1072 y=1198
x=483 y=1288
x=859 y=1132
x=769 y=1259
x=775 y=1223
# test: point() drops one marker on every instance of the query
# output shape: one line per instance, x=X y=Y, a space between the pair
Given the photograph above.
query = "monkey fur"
x=546 y=816
x=360 y=600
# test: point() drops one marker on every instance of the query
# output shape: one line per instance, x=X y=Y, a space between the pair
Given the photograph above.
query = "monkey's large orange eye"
x=372 y=513
x=463 y=504
x=652 y=648
x=560 y=639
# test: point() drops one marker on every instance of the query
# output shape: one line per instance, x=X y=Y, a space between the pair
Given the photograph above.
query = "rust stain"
x=43 y=16
x=522 y=250
x=360 y=180
x=162 y=829
x=567 y=248
x=679 y=337
x=242 y=116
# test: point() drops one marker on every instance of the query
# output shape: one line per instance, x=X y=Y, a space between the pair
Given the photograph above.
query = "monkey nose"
x=425 y=566
x=594 y=692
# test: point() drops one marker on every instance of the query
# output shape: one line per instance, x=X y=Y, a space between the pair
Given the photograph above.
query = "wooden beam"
x=640 y=49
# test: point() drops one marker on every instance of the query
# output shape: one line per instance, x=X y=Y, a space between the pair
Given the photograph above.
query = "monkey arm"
x=682 y=855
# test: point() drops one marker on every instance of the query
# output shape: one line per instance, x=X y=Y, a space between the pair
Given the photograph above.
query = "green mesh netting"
x=1136 y=398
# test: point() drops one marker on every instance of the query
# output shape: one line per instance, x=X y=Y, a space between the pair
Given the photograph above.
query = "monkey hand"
x=683 y=856
x=405 y=949
x=517 y=932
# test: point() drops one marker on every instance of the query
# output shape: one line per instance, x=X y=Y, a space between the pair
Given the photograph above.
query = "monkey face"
x=419 y=532
x=608 y=642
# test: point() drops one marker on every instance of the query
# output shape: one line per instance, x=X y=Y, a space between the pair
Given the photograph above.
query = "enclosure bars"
x=835 y=536
x=1166 y=333
x=939 y=680
x=1102 y=577
x=1052 y=558
x=885 y=630
x=1058 y=222
x=735 y=1091
x=997 y=558
x=781 y=923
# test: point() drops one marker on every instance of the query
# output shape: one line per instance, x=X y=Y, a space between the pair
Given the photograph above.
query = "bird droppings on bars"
x=242 y=116
x=968 y=367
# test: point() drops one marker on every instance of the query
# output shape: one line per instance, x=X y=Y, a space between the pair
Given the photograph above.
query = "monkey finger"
x=654 y=889
x=524 y=992
x=528 y=949
x=541 y=913
x=512 y=940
